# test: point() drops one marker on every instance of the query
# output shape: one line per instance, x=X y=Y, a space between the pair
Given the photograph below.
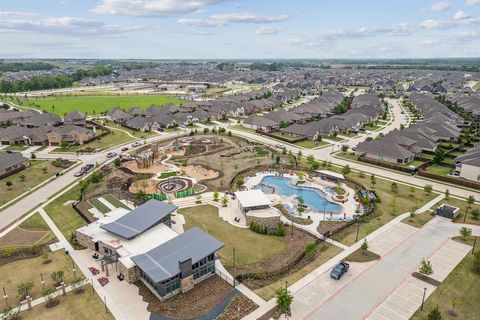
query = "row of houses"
x=401 y=146
x=364 y=108
x=38 y=129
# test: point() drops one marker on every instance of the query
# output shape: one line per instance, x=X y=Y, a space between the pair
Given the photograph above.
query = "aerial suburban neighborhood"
x=178 y=160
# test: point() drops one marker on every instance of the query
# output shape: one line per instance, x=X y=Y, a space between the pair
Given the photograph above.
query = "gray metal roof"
x=140 y=219
x=162 y=262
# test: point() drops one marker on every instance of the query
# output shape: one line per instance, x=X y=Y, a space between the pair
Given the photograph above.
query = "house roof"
x=140 y=219
x=260 y=121
x=8 y=160
x=252 y=198
x=162 y=262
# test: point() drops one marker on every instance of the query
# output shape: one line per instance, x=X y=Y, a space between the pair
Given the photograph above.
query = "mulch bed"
x=239 y=307
x=292 y=258
x=23 y=253
x=198 y=302
x=426 y=278
x=21 y=237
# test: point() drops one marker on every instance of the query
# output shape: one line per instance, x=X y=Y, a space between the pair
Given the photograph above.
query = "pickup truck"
x=339 y=270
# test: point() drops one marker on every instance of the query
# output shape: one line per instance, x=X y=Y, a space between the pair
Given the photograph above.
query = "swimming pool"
x=312 y=197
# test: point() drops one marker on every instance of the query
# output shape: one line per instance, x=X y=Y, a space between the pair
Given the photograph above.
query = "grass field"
x=463 y=285
x=99 y=205
x=98 y=104
x=87 y=305
x=249 y=246
x=391 y=205
x=419 y=219
x=66 y=219
x=29 y=270
x=311 y=144
x=33 y=175
x=114 y=201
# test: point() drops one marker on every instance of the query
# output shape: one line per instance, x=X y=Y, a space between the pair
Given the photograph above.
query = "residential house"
x=11 y=163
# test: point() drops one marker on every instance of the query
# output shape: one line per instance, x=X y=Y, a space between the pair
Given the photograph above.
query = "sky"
x=239 y=29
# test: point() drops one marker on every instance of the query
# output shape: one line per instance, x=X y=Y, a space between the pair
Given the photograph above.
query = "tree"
x=141 y=195
x=284 y=299
x=364 y=245
x=346 y=170
x=22 y=177
x=277 y=159
x=224 y=200
x=413 y=212
x=311 y=249
x=465 y=232
x=117 y=162
x=425 y=267
x=373 y=181
x=57 y=276
x=434 y=314
x=428 y=188
x=470 y=201
x=344 y=147
x=33 y=155
x=447 y=194
x=24 y=289
x=301 y=176
x=239 y=182
x=394 y=187
x=299 y=154
x=475 y=214
x=439 y=156
x=9 y=184
x=215 y=195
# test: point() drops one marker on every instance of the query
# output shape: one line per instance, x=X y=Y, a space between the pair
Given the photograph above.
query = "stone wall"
x=269 y=222
x=187 y=283
x=85 y=241
x=131 y=275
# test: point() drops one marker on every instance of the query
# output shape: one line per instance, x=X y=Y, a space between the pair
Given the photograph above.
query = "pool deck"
x=348 y=208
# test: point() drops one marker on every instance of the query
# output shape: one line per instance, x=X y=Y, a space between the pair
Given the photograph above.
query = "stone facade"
x=269 y=222
x=131 y=275
x=187 y=284
x=85 y=241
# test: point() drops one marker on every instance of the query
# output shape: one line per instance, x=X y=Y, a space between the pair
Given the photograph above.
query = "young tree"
x=475 y=214
x=117 y=162
x=224 y=200
x=465 y=232
x=346 y=170
x=57 y=276
x=364 y=245
x=344 y=147
x=373 y=181
x=22 y=177
x=413 y=212
x=9 y=184
x=24 y=289
x=470 y=201
x=425 y=267
x=428 y=188
x=394 y=187
x=447 y=194
x=311 y=249
x=215 y=195
x=284 y=299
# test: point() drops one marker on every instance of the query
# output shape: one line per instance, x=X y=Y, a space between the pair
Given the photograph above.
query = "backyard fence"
x=227 y=278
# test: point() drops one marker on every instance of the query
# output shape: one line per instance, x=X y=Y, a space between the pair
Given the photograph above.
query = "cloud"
x=228 y=18
x=472 y=3
x=63 y=25
x=460 y=15
x=267 y=30
x=440 y=6
x=157 y=8
x=467 y=35
x=437 y=24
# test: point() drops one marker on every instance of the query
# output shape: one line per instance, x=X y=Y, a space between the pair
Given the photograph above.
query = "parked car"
x=124 y=148
x=339 y=270
x=111 y=155
x=136 y=144
x=281 y=146
x=10 y=152
x=369 y=139
x=80 y=173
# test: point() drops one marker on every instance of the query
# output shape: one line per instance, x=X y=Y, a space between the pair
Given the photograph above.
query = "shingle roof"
x=140 y=219
x=7 y=160
x=162 y=262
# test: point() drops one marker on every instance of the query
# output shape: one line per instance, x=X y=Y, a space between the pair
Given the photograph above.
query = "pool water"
x=313 y=198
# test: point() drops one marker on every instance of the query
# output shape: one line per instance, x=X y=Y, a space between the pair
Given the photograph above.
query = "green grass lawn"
x=114 y=201
x=249 y=246
x=284 y=136
x=415 y=163
x=242 y=128
x=110 y=140
x=334 y=138
x=64 y=216
x=98 y=104
x=391 y=205
x=33 y=175
x=419 y=219
x=373 y=127
x=426 y=155
x=165 y=175
x=135 y=133
x=347 y=155
x=99 y=205
x=311 y=144
x=439 y=170
x=16 y=147
x=463 y=285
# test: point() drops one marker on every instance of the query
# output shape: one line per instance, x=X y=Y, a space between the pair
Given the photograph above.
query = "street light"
x=423 y=298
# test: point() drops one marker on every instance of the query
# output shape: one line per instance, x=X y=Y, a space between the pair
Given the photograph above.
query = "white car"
x=111 y=155
x=281 y=146
x=136 y=144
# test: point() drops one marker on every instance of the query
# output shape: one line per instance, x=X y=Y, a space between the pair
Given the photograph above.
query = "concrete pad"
x=391 y=238
x=447 y=257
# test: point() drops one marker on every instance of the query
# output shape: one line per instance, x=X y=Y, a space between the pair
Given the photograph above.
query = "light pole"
x=423 y=298
x=474 y=243
x=358 y=229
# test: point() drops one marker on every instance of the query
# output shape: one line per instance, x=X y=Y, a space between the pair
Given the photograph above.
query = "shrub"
x=364 y=245
x=434 y=314
x=425 y=267
x=284 y=299
x=311 y=249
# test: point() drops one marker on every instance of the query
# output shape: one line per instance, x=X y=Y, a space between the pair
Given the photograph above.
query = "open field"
x=391 y=205
x=86 y=305
x=33 y=231
x=98 y=104
x=463 y=285
x=64 y=216
x=249 y=246
x=26 y=270
x=32 y=176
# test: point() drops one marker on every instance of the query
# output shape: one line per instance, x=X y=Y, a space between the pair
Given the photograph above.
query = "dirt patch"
x=19 y=237
x=239 y=307
x=200 y=172
x=198 y=302
x=292 y=258
x=149 y=186
x=157 y=167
